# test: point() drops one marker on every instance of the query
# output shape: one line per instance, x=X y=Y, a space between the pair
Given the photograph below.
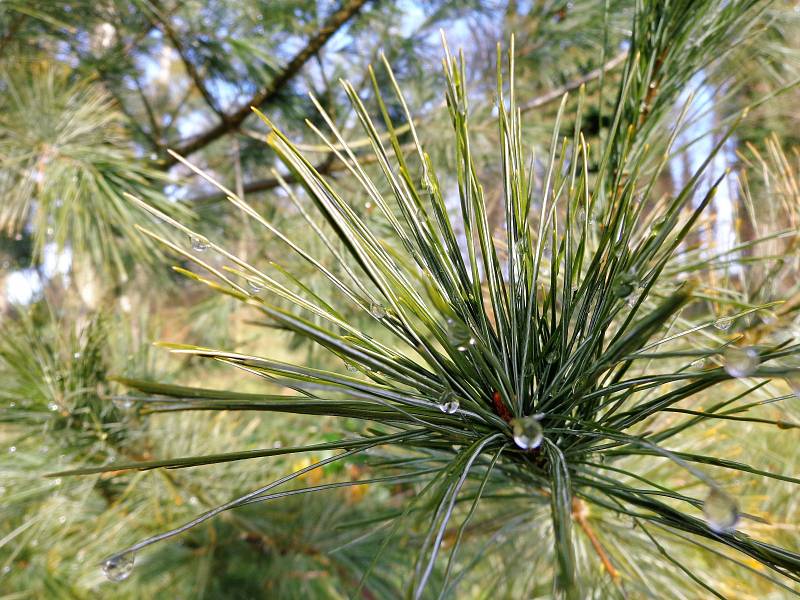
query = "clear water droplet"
x=723 y=323
x=698 y=363
x=633 y=298
x=199 y=244
x=448 y=402
x=254 y=286
x=622 y=290
x=12 y=449
x=624 y=284
x=62 y=519
x=76 y=356
x=740 y=362
x=551 y=357
x=720 y=511
x=119 y=568
x=793 y=379
x=12 y=404
x=350 y=367
x=52 y=406
x=768 y=317
x=459 y=335
x=528 y=433
x=377 y=310
x=465 y=347
x=123 y=403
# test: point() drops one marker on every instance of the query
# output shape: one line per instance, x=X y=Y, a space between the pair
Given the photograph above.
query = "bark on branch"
x=232 y=120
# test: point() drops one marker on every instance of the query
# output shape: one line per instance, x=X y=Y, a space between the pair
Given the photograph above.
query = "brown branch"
x=573 y=85
x=232 y=120
x=12 y=31
x=191 y=70
x=579 y=513
x=328 y=165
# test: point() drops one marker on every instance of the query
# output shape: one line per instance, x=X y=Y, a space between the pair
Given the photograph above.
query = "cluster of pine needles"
x=559 y=361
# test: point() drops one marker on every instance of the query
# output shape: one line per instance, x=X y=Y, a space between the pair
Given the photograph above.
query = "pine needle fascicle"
x=551 y=355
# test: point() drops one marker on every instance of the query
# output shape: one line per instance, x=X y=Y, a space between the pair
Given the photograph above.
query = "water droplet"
x=377 y=310
x=720 y=511
x=199 y=244
x=6 y=569
x=123 y=403
x=624 y=284
x=528 y=433
x=448 y=402
x=52 y=406
x=551 y=357
x=723 y=323
x=634 y=296
x=119 y=568
x=12 y=404
x=465 y=347
x=62 y=519
x=76 y=356
x=698 y=363
x=793 y=379
x=459 y=335
x=622 y=290
x=254 y=286
x=12 y=449
x=350 y=367
x=768 y=317
x=740 y=362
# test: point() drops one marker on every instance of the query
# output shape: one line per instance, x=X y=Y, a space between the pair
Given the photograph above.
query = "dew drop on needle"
x=740 y=362
x=723 y=323
x=720 y=511
x=377 y=310
x=199 y=244
x=118 y=568
x=448 y=402
x=528 y=433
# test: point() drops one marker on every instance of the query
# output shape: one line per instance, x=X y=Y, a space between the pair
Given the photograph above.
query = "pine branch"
x=191 y=70
x=231 y=121
x=573 y=85
x=330 y=164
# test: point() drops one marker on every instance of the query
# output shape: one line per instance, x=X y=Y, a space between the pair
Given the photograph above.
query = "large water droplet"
x=123 y=403
x=448 y=402
x=793 y=379
x=740 y=362
x=199 y=244
x=624 y=284
x=723 y=323
x=254 y=286
x=528 y=433
x=465 y=347
x=350 y=367
x=52 y=406
x=459 y=335
x=720 y=511
x=119 y=568
x=377 y=310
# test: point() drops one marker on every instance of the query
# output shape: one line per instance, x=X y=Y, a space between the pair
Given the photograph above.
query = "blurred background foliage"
x=93 y=94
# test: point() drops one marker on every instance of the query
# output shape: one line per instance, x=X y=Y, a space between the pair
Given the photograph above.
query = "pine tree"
x=512 y=347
